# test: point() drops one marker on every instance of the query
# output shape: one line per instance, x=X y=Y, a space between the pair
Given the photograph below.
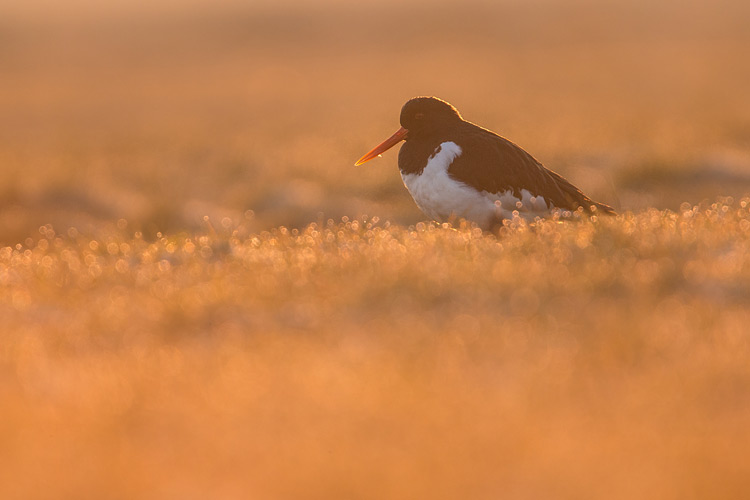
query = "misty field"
x=590 y=358
x=201 y=297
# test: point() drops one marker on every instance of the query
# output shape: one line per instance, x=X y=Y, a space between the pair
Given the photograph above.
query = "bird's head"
x=420 y=117
x=427 y=115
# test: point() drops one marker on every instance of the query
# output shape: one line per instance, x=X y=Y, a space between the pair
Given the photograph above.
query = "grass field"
x=202 y=298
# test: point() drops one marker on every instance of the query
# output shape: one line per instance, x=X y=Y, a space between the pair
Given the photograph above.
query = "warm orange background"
x=149 y=352
x=162 y=112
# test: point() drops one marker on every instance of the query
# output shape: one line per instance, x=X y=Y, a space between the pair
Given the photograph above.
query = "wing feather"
x=494 y=164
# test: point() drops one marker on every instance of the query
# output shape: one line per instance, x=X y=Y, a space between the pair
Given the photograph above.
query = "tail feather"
x=575 y=197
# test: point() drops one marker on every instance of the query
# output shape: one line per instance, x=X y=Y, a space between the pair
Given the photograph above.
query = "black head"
x=421 y=118
x=428 y=115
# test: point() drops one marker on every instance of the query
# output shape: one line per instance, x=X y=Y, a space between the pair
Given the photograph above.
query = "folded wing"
x=494 y=164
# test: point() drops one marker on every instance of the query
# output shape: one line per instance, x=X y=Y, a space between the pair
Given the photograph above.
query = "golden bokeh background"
x=163 y=112
x=202 y=297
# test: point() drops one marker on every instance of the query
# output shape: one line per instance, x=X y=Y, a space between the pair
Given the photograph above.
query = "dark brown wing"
x=494 y=164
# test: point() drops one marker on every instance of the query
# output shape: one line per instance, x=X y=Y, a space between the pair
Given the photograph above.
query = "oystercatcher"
x=454 y=168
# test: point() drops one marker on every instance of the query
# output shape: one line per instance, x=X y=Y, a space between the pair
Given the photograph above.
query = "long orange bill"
x=384 y=146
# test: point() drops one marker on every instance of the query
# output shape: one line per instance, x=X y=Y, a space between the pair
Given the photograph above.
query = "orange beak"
x=384 y=146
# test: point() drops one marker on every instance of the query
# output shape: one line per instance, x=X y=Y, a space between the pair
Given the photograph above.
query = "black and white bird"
x=454 y=168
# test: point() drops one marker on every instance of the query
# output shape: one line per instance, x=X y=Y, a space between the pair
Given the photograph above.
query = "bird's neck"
x=415 y=153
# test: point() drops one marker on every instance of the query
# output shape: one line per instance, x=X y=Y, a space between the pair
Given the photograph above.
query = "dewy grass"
x=595 y=358
x=151 y=353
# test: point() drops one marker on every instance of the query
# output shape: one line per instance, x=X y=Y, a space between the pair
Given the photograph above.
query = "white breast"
x=440 y=197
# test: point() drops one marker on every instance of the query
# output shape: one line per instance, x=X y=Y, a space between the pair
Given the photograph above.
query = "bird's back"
x=494 y=164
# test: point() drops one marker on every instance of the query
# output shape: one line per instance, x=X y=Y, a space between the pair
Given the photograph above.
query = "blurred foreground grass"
x=359 y=359
x=153 y=353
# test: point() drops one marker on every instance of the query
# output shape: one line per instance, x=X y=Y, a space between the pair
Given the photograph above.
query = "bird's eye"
x=419 y=116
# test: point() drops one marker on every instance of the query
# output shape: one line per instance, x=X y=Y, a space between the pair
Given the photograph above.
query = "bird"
x=455 y=169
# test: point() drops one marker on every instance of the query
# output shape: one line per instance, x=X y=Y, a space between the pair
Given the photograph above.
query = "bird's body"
x=441 y=197
x=455 y=169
